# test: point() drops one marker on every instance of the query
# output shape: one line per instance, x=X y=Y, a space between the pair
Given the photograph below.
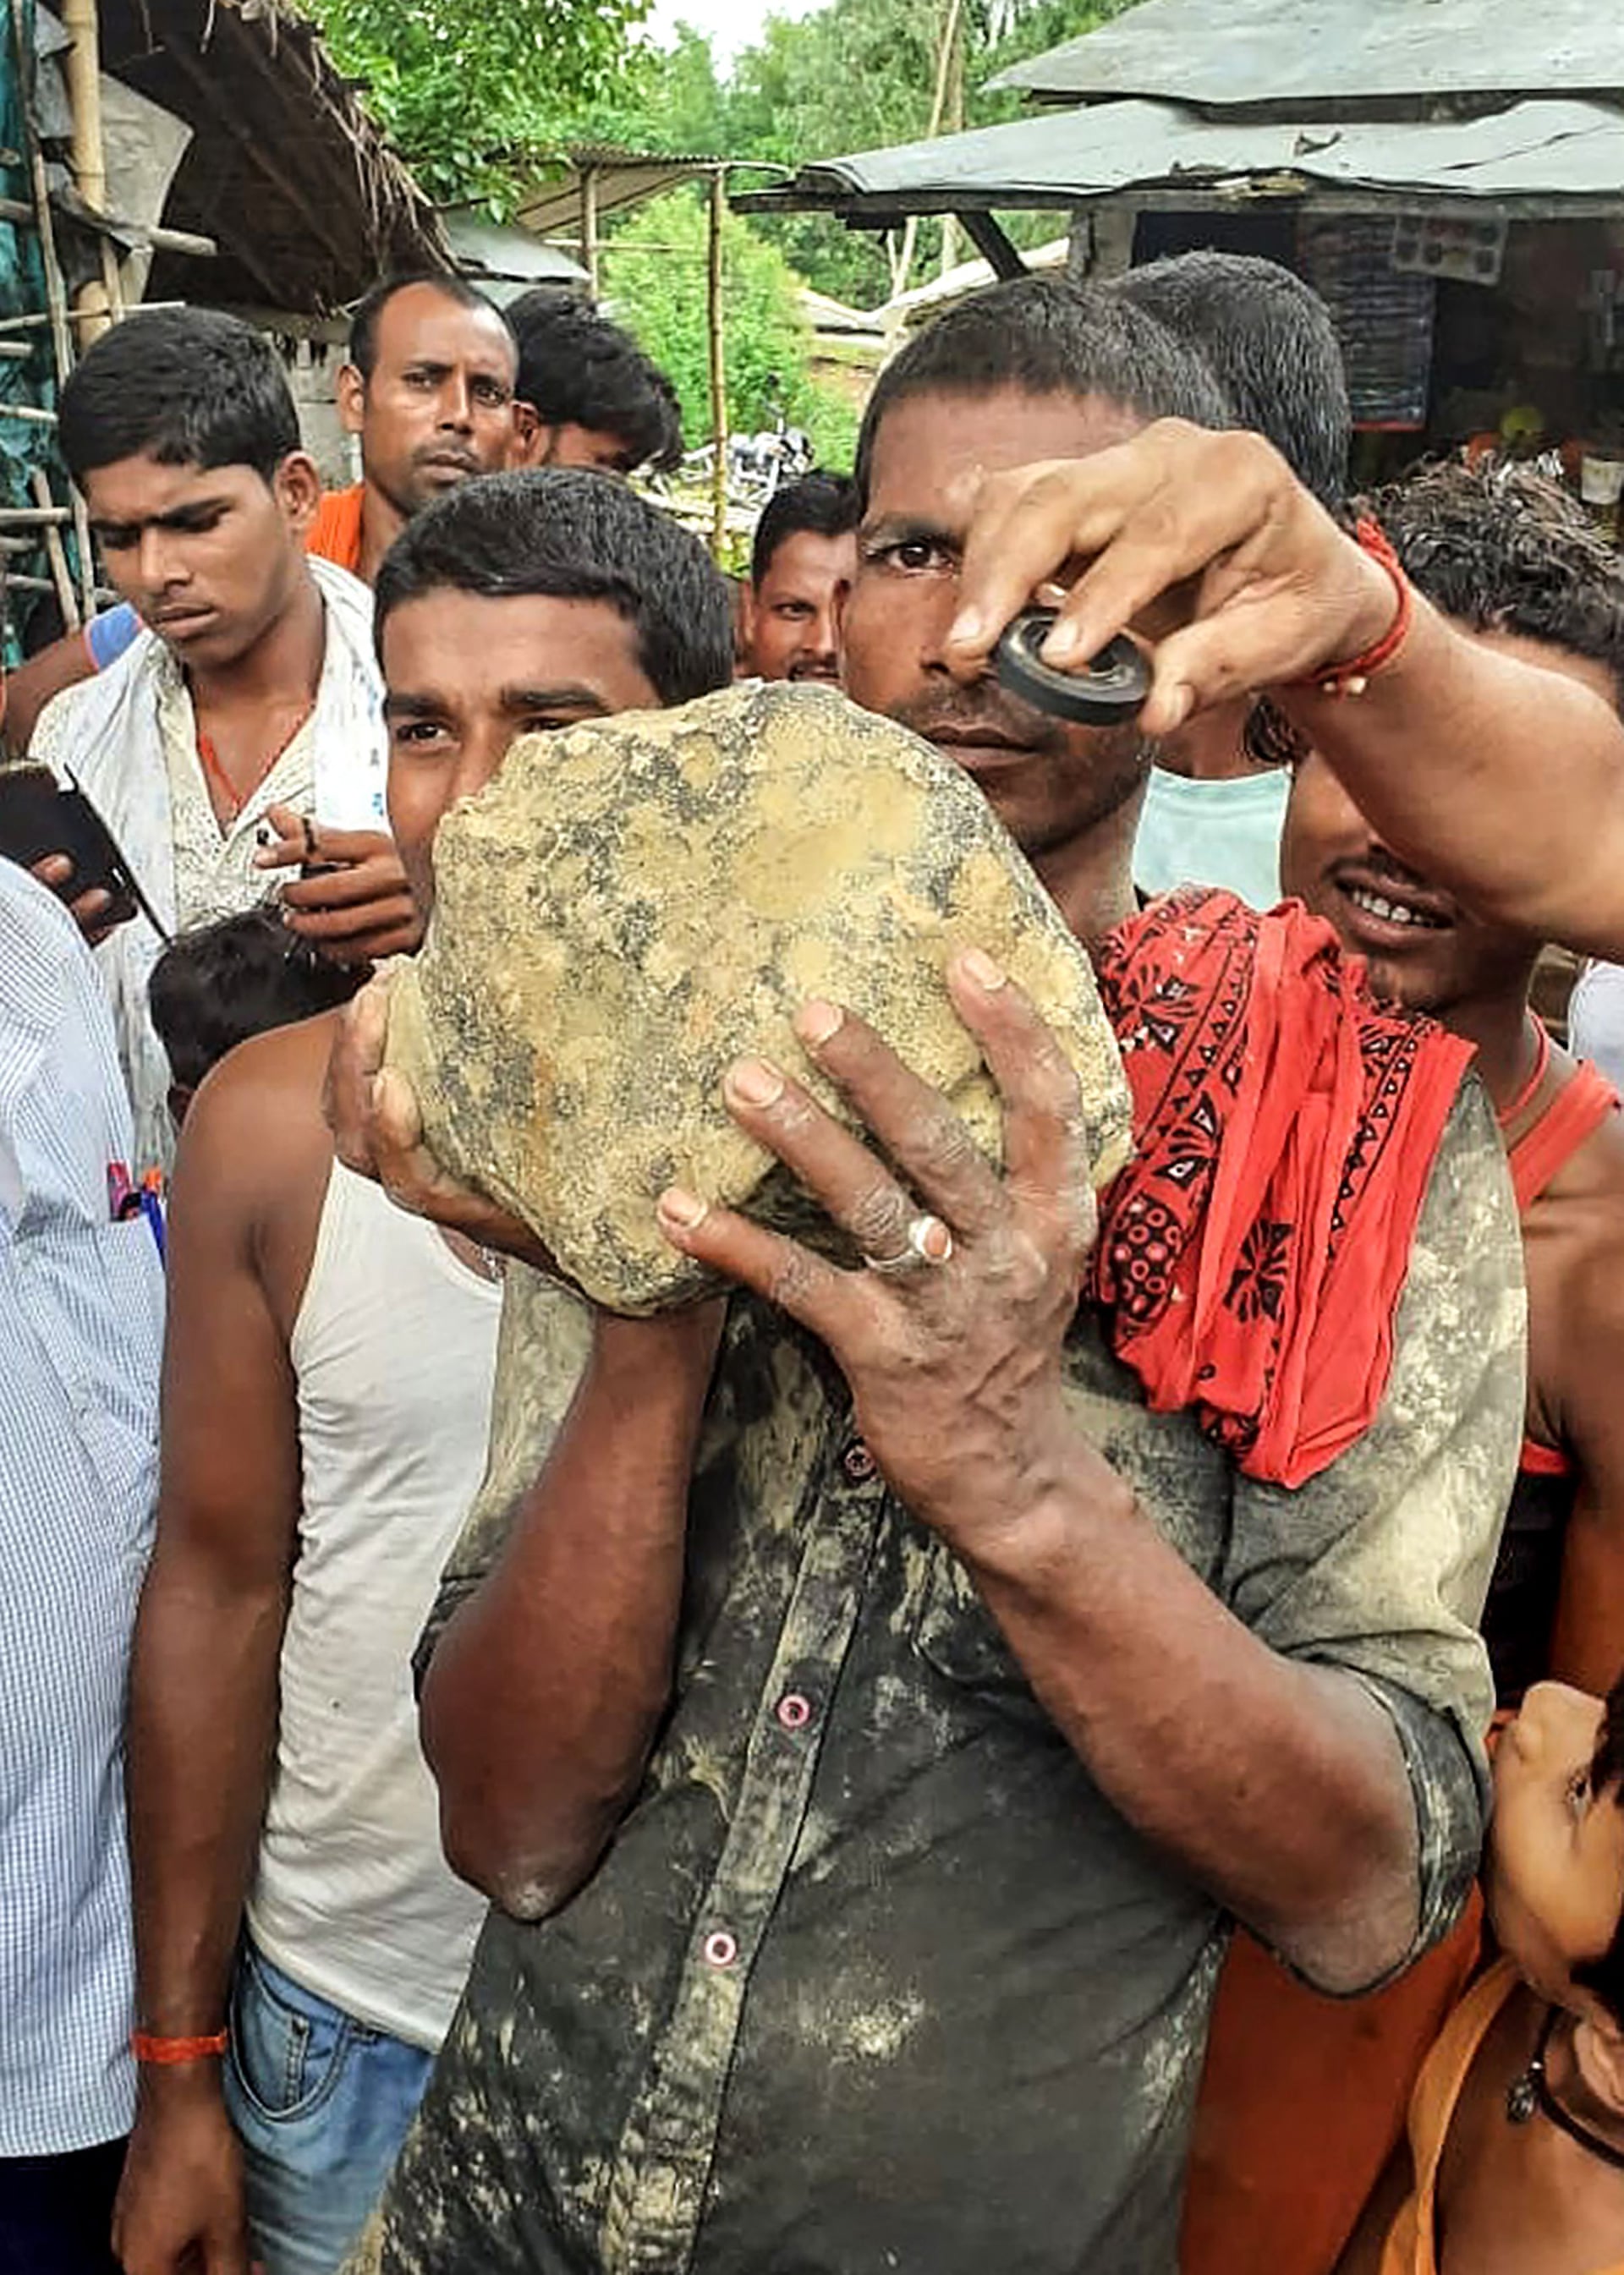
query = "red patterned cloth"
x=1252 y=1257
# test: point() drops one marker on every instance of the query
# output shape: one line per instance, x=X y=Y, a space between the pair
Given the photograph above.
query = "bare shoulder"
x=256 y=1127
x=1593 y=1288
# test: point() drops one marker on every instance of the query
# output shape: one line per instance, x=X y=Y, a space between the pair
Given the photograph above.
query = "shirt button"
x=858 y=1463
x=794 y=1711
x=720 y=1948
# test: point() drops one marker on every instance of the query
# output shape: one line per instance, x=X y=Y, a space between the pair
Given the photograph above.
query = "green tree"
x=862 y=75
x=666 y=99
x=464 y=90
x=654 y=271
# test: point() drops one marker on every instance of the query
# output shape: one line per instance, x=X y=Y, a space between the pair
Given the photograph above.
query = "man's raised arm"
x=543 y=1696
x=1503 y=781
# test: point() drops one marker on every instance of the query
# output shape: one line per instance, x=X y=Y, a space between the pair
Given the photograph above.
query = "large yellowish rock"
x=633 y=904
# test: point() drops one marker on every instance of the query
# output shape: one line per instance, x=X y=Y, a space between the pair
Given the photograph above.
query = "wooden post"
x=56 y=553
x=96 y=302
x=589 y=228
x=714 y=325
x=55 y=291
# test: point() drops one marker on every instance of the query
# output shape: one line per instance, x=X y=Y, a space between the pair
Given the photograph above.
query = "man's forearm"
x=541 y=1700
x=1504 y=785
x=201 y=1737
x=1280 y=1788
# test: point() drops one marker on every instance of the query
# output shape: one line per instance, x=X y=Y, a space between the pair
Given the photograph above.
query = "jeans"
x=322 y=2104
x=57 y=2212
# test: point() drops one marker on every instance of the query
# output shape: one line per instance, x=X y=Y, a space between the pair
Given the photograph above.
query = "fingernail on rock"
x=982 y=970
x=817 y=1021
x=755 y=1082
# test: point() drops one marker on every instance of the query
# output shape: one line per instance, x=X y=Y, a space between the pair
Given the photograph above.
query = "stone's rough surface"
x=631 y=905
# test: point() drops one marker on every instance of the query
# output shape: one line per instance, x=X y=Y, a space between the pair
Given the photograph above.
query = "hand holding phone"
x=53 y=830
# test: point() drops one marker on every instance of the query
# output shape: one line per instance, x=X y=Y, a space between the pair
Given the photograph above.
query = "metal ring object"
x=918 y=1256
x=1106 y=693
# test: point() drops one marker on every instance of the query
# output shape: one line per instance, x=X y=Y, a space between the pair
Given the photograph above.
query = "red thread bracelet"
x=1354 y=676
x=165 y=2050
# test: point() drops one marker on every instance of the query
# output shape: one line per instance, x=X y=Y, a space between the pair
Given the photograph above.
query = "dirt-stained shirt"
x=873 y=1976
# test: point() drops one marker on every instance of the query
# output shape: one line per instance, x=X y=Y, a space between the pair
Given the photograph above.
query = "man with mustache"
x=867 y=1713
x=1509 y=556
x=802 y=562
x=1282 y=2171
x=428 y=388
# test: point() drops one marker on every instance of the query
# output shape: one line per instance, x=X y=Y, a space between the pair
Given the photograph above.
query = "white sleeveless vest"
x=394 y=1349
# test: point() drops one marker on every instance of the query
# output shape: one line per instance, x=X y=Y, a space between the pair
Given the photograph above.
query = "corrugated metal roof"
x=1259 y=51
x=1551 y=154
x=505 y=261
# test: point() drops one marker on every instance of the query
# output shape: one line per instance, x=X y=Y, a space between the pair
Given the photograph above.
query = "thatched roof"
x=285 y=170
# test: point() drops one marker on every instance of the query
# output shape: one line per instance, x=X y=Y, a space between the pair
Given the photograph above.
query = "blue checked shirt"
x=81 y=1304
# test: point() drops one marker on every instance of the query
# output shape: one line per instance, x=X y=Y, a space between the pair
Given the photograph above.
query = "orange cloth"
x=1412 y=2240
x=1301 y=2104
x=1253 y=1254
x=336 y=533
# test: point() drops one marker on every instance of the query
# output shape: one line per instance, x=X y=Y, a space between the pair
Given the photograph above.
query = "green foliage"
x=654 y=273
x=854 y=75
x=461 y=87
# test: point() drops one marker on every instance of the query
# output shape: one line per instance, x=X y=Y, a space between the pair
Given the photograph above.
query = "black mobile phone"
x=39 y=816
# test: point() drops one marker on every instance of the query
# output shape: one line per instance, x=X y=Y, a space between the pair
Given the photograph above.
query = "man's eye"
x=550 y=723
x=486 y=391
x=1579 y=1789
x=118 y=541
x=913 y=555
x=413 y=734
x=421 y=380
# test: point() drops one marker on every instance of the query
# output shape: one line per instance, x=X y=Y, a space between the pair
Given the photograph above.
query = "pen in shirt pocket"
x=125 y=1200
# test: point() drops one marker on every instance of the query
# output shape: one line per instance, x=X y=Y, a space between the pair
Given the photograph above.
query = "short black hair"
x=185 y=386
x=218 y=984
x=1604 y=1975
x=363 y=350
x=574 y=535
x=1269 y=341
x=578 y=369
x=1043 y=336
x=826 y=503
x=1503 y=548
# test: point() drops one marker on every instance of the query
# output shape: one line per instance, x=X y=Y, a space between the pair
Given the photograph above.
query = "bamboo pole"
x=97 y=298
x=901 y=260
x=714 y=326
x=56 y=553
x=55 y=291
x=589 y=227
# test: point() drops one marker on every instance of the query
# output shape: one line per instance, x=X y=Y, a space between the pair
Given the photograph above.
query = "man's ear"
x=350 y=393
x=540 y=439
x=298 y=489
x=526 y=428
x=744 y=625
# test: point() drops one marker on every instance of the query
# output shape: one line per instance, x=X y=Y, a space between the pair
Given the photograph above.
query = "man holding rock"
x=287 y=1868
x=867 y=1710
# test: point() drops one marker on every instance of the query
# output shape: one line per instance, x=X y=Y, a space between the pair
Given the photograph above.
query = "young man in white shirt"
x=240 y=738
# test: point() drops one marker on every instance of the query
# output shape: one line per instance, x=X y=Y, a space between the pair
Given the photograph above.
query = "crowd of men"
x=978 y=1761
